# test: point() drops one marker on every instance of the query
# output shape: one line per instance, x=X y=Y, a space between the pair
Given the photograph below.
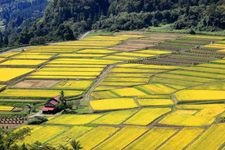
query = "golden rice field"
x=147 y=115
x=184 y=136
x=6 y=108
x=17 y=62
x=200 y=95
x=156 y=135
x=8 y=74
x=128 y=90
x=155 y=102
x=71 y=133
x=113 y=104
x=96 y=136
x=115 y=117
x=117 y=141
x=35 y=93
x=74 y=119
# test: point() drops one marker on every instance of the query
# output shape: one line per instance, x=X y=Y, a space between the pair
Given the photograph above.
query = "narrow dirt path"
x=84 y=35
x=86 y=98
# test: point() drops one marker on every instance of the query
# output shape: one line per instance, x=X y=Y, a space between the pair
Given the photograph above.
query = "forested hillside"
x=15 y=15
x=67 y=19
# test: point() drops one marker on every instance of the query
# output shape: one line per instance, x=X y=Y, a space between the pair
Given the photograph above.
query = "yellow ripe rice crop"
x=182 y=139
x=96 y=51
x=89 y=43
x=113 y=104
x=126 y=79
x=147 y=115
x=74 y=84
x=8 y=74
x=33 y=128
x=118 y=58
x=156 y=89
x=70 y=134
x=205 y=69
x=205 y=37
x=120 y=84
x=187 y=78
x=9 y=54
x=222 y=61
x=155 y=102
x=200 y=95
x=82 y=61
x=74 y=119
x=213 y=138
x=171 y=82
x=45 y=73
x=81 y=55
x=199 y=74
x=61 y=66
x=102 y=87
x=147 y=66
x=14 y=62
x=122 y=138
x=129 y=92
x=62 y=77
x=202 y=116
x=71 y=69
x=218 y=46
x=153 y=138
x=31 y=93
x=44 y=134
x=178 y=87
x=123 y=75
x=115 y=117
x=96 y=136
x=153 y=51
x=210 y=65
x=211 y=86
x=155 y=97
x=32 y=56
x=135 y=70
x=222 y=51
x=133 y=55
x=6 y=108
x=2 y=59
x=103 y=95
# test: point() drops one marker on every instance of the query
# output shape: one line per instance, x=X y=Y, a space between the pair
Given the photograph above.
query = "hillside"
x=67 y=19
x=17 y=14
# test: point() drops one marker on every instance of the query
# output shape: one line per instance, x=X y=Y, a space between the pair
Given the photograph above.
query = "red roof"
x=54 y=102
x=47 y=108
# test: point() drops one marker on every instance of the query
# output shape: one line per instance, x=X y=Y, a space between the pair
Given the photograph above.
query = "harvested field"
x=36 y=84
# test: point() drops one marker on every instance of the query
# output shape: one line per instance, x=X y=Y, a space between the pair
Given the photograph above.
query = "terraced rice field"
x=130 y=90
x=6 y=108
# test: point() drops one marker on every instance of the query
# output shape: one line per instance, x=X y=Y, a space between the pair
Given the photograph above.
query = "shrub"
x=37 y=120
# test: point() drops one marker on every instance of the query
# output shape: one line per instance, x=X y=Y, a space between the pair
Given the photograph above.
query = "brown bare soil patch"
x=150 y=40
x=36 y=84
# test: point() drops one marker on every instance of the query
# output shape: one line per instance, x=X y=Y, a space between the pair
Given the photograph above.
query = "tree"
x=8 y=139
x=75 y=145
x=37 y=41
x=40 y=146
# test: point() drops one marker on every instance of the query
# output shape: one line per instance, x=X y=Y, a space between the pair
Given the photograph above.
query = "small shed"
x=51 y=105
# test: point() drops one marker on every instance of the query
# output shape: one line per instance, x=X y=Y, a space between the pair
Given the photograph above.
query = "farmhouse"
x=51 y=106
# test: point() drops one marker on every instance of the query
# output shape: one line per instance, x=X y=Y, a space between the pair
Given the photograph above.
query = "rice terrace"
x=123 y=90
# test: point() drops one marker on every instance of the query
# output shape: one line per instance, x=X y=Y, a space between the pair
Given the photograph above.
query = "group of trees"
x=67 y=19
x=9 y=141
x=16 y=15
